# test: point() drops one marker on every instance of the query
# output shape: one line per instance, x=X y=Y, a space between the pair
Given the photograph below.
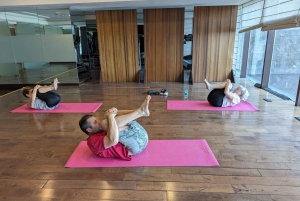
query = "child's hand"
x=37 y=86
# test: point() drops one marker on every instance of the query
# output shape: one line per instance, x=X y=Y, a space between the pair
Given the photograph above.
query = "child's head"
x=26 y=91
x=242 y=92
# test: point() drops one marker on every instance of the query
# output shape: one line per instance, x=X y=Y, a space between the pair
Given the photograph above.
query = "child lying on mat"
x=118 y=135
x=221 y=96
x=42 y=97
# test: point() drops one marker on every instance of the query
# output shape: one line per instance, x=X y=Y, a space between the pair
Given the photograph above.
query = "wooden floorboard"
x=258 y=152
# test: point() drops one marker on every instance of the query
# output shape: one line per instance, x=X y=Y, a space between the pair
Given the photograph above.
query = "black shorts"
x=215 y=97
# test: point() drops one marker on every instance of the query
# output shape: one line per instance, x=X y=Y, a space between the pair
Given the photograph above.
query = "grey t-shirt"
x=41 y=105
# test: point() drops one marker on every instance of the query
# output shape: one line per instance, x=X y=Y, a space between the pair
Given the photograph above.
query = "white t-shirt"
x=229 y=103
x=41 y=105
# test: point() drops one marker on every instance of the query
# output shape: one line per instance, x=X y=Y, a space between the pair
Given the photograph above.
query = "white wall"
x=6 y=52
x=51 y=30
x=25 y=29
x=58 y=48
x=38 y=48
x=28 y=48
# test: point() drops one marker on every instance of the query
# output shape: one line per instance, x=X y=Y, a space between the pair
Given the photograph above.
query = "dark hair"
x=26 y=91
x=84 y=124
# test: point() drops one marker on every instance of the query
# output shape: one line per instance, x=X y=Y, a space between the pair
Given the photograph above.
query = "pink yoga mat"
x=204 y=105
x=62 y=108
x=157 y=153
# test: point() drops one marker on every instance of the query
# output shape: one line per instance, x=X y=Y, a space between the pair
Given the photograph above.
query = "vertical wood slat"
x=117 y=31
x=164 y=47
x=163 y=30
x=159 y=48
x=179 y=39
x=200 y=39
x=225 y=13
x=134 y=34
x=231 y=40
x=102 y=45
x=149 y=45
x=171 y=77
x=213 y=38
x=130 y=30
x=118 y=53
x=109 y=47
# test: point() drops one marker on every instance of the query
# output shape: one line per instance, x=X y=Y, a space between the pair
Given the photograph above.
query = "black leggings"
x=49 y=97
x=215 y=97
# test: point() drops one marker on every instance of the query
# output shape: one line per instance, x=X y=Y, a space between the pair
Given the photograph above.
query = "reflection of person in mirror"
x=42 y=97
x=118 y=135
x=231 y=114
x=40 y=119
x=222 y=96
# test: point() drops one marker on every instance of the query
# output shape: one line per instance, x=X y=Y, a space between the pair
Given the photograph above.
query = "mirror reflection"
x=86 y=47
x=188 y=44
x=38 y=46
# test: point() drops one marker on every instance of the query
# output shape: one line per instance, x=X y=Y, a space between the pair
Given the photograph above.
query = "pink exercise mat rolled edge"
x=62 y=108
x=157 y=153
x=204 y=105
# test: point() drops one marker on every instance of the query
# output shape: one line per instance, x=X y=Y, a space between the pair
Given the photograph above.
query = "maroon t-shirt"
x=96 y=145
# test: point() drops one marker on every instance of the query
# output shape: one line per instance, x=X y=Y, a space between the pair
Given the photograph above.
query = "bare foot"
x=55 y=81
x=207 y=85
x=144 y=107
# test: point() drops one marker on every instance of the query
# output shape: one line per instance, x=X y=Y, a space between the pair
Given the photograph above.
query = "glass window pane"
x=257 y=46
x=285 y=66
x=239 y=54
x=38 y=46
x=22 y=21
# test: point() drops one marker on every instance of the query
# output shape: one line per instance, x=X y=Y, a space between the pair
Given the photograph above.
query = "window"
x=285 y=66
x=256 y=54
x=238 y=56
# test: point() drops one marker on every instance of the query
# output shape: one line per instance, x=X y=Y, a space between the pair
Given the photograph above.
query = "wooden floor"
x=258 y=152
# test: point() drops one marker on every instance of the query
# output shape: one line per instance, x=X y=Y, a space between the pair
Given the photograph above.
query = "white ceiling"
x=81 y=7
x=57 y=12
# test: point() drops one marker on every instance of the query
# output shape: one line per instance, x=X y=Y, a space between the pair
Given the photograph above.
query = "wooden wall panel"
x=200 y=27
x=163 y=40
x=102 y=45
x=159 y=46
x=118 y=44
x=172 y=51
x=117 y=33
x=149 y=45
x=176 y=60
x=109 y=47
x=231 y=41
x=130 y=29
x=213 y=42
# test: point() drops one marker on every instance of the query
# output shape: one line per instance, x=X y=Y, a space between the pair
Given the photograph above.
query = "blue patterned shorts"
x=134 y=138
